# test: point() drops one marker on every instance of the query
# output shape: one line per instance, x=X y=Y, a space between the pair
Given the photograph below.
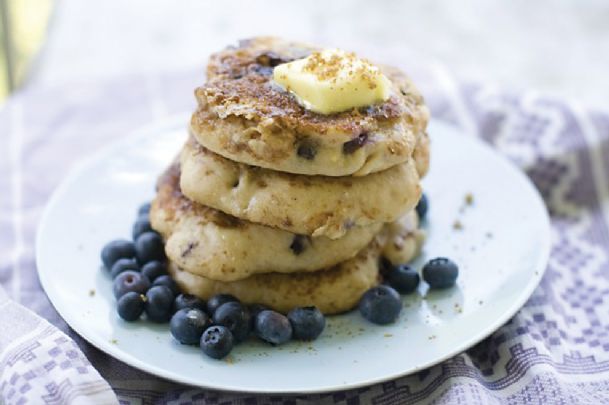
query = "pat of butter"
x=332 y=81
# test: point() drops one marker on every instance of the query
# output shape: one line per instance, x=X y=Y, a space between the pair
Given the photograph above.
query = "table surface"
x=553 y=46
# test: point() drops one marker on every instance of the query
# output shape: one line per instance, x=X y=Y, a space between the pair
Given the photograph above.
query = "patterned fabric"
x=554 y=351
x=40 y=364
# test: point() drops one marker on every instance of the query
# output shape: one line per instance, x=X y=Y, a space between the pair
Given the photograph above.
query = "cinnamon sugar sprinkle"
x=329 y=68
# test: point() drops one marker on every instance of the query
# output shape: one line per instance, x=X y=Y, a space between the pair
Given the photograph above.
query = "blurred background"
x=558 y=47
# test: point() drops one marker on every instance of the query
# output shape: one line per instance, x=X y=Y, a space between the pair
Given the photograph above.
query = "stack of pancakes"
x=285 y=207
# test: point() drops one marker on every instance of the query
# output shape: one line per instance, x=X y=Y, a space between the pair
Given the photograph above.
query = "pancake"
x=421 y=155
x=207 y=242
x=308 y=205
x=333 y=291
x=404 y=239
x=243 y=116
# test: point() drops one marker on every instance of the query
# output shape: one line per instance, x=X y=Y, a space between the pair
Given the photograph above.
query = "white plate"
x=502 y=250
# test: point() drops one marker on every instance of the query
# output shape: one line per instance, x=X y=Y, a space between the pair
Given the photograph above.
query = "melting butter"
x=332 y=81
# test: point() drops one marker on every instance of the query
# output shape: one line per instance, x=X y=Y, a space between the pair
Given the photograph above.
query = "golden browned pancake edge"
x=245 y=117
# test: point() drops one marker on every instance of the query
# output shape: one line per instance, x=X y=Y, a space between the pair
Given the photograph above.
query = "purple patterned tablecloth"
x=554 y=351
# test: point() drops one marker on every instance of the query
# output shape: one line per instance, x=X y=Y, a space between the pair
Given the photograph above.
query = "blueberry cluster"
x=142 y=285
x=382 y=304
x=139 y=272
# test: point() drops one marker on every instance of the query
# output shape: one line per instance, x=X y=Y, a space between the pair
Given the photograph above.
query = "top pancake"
x=245 y=117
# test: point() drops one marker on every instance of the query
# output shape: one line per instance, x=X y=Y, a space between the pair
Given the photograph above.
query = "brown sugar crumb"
x=329 y=68
x=324 y=68
x=114 y=341
x=432 y=337
x=468 y=201
x=91 y=292
x=457 y=225
x=229 y=359
x=387 y=335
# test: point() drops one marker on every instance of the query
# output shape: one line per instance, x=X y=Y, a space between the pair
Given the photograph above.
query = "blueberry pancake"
x=333 y=290
x=308 y=205
x=245 y=116
x=209 y=243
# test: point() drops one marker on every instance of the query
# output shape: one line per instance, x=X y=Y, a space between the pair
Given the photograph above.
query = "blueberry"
x=131 y=306
x=422 y=207
x=403 y=278
x=440 y=273
x=271 y=59
x=298 y=244
x=307 y=323
x=273 y=327
x=141 y=225
x=149 y=247
x=188 y=324
x=214 y=302
x=235 y=317
x=380 y=305
x=167 y=281
x=122 y=265
x=188 y=301
x=130 y=281
x=117 y=249
x=217 y=342
x=154 y=269
x=255 y=309
x=159 y=303
x=144 y=209
x=355 y=143
x=306 y=149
